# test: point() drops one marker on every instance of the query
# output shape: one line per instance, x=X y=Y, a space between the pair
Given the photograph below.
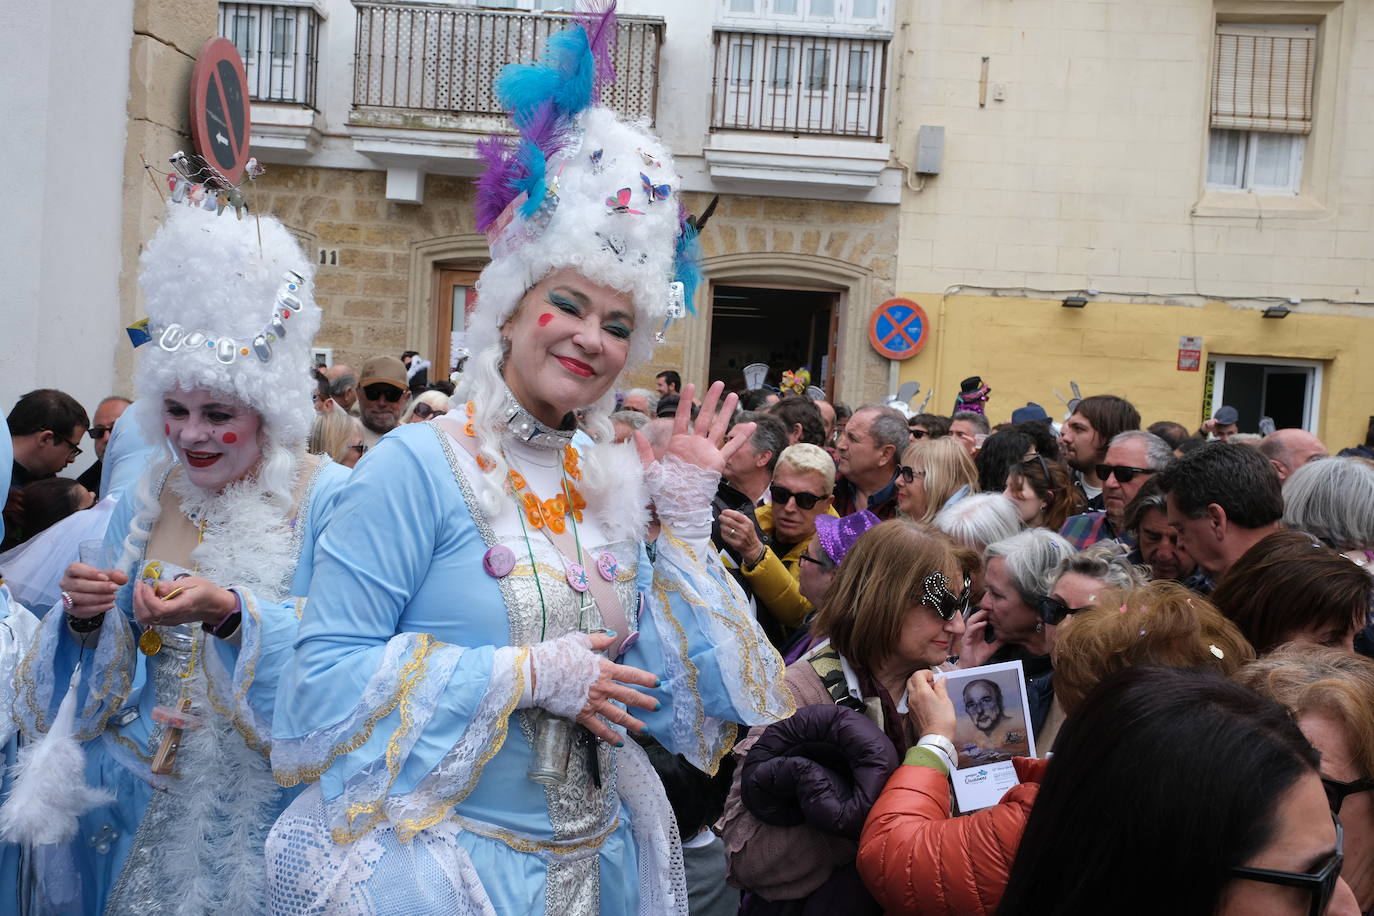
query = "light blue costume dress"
x=190 y=841
x=408 y=697
x=17 y=626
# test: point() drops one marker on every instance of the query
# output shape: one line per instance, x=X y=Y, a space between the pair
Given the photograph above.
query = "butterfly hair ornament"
x=579 y=187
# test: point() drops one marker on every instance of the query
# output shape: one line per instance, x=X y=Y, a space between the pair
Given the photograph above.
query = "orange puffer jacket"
x=916 y=859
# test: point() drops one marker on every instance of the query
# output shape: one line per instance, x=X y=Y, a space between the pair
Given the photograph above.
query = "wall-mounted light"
x=1074 y=302
x=1277 y=311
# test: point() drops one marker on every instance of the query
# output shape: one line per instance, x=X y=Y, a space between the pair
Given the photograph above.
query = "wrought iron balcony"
x=799 y=84
x=441 y=60
x=280 y=48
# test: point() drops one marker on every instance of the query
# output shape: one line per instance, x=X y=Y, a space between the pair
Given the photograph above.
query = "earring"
x=1040 y=626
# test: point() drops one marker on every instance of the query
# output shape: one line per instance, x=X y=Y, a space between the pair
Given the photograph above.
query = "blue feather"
x=687 y=264
x=571 y=55
x=532 y=179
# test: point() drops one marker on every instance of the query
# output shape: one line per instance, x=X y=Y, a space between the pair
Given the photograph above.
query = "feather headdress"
x=579 y=187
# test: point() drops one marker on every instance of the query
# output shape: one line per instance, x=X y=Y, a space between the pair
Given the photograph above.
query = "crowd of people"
x=529 y=641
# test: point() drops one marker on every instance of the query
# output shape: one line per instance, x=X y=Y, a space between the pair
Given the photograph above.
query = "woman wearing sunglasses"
x=1240 y=825
x=803 y=489
x=1331 y=694
x=425 y=407
x=933 y=473
x=917 y=858
x=895 y=608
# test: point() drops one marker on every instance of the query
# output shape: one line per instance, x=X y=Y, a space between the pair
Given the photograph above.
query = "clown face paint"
x=215 y=437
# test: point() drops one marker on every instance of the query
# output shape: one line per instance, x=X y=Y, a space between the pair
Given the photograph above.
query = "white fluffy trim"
x=50 y=790
x=613 y=483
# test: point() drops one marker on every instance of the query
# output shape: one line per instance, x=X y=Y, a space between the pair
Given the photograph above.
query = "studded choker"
x=522 y=426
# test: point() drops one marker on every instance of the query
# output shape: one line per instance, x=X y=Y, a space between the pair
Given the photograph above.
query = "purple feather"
x=545 y=128
x=496 y=186
x=598 y=20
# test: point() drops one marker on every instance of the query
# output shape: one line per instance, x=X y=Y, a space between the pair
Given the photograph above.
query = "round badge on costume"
x=629 y=641
x=498 y=561
x=607 y=566
x=577 y=577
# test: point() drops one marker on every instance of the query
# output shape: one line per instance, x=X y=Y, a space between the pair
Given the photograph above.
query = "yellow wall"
x=1026 y=348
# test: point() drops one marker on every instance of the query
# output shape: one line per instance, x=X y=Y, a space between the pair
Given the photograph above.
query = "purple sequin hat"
x=837 y=535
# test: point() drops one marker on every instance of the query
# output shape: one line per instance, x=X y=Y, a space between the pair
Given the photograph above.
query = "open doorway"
x=1286 y=390
x=785 y=328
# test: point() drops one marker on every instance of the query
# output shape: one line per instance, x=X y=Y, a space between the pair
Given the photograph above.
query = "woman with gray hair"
x=1333 y=499
x=977 y=521
x=1017 y=573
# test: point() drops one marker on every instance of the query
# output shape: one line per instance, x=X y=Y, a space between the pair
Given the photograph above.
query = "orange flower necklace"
x=540 y=512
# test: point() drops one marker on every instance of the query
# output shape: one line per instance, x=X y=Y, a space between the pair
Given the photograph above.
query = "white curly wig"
x=631 y=252
x=210 y=280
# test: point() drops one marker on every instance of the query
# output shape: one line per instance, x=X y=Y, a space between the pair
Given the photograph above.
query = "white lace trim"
x=662 y=876
x=682 y=495
x=564 y=671
x=310 y=874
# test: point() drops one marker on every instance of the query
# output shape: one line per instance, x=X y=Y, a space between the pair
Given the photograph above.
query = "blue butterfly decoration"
x=655 y=191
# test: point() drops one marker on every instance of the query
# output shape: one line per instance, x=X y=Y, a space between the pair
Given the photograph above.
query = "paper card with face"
x=993 y=726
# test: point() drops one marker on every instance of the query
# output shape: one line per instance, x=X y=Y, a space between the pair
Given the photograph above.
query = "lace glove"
x=682 y=495
x=563 y=670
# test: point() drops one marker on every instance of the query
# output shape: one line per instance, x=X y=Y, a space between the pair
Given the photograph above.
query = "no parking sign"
x=898 y=329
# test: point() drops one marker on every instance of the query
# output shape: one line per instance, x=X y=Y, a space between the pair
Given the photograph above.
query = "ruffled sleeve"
x=697 y=633
x=395 y=724
x=111 y=672
x=242 y=674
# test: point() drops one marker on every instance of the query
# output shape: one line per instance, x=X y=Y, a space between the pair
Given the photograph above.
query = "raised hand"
x=704 y=445
x=931 y=710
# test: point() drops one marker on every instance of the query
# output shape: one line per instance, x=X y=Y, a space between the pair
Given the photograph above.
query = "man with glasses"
x=46 y=426
x=773 y=543
x=106 y=413
x=1132 y=458
x=383 y=394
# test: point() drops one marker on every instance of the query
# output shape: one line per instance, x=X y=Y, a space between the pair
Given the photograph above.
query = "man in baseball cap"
x=1224 y=421
x=383 y=394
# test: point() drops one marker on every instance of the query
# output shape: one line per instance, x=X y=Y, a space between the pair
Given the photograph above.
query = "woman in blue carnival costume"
x=483 y=601
x=177 y=646
x=17 y=626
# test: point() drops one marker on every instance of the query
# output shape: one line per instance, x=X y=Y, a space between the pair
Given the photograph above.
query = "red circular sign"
x=220 y=121
x=898 y=329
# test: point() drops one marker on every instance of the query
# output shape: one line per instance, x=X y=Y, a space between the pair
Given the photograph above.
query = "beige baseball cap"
x=388 y=369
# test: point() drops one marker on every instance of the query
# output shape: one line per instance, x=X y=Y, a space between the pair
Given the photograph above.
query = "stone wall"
x=369 y=300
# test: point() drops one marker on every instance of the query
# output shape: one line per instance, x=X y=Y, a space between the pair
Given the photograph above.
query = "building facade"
x=1120 y=177
x=367 y=115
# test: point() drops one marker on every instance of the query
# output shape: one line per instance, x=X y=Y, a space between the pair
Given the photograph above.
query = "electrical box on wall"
x=930 y=149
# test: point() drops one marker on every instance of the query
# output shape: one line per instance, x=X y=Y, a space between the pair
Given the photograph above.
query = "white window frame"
x=843 y=15
x=1312 y=404
x=1245 y=164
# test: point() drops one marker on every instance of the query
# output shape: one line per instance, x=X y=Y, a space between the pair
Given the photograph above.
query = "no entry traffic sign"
x=220 y=121
x=898 y=329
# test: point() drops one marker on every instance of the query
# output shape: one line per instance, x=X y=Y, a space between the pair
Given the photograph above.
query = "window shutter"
x=1262 y=77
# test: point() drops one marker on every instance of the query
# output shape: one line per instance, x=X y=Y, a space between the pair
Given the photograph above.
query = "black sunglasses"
x=1124 y=472
x=424 y=411
x=909 y=474
x=919 y=433
x=1321 y=884
x=1337 y=791
x=379 y=390
x=805 y=501
x=100 y=432
x=1053 y=611
x=935 y=592
x=76 y=449
x=360 y=449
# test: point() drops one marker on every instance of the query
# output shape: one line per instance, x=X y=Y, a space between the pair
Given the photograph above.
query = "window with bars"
x=1263 y=79
x=855 y=12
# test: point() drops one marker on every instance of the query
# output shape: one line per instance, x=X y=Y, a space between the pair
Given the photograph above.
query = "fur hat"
x=230 y=314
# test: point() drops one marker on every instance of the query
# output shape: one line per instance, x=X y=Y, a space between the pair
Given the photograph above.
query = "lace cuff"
x=564 y=670
x=682 y=495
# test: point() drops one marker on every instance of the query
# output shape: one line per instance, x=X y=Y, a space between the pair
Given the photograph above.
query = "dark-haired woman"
x=1043 y=491
x=1292 y=588
x=1240 y=819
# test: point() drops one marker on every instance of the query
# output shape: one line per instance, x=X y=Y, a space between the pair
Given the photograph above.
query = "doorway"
x=785 y=328
x=1286 y=390
x=455 y=297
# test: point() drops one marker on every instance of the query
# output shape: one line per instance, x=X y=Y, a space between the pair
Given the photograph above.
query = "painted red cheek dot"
x=230 y=438
x=545 y=319
x=166 y=429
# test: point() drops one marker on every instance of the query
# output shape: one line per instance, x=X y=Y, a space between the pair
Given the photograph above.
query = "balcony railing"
x=444 y=58
x=280 y=45
x=799 y=84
